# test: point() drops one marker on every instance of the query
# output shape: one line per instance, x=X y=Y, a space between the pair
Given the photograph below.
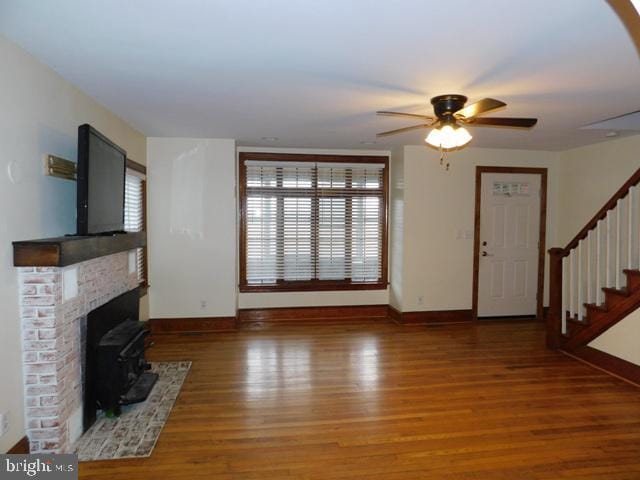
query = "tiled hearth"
x=54 y=305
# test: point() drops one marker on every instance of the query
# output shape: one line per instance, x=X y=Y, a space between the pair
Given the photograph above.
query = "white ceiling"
x=312 y=73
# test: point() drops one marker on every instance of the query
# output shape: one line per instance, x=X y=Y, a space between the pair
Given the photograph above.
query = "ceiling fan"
x=451 y=116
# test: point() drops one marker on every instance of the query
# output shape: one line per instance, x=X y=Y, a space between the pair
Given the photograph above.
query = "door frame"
x=543 y=231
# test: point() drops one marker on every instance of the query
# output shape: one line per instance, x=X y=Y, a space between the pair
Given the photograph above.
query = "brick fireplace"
x=54 y=303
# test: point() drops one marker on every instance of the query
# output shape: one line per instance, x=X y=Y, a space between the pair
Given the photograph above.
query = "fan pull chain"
x=442 y=159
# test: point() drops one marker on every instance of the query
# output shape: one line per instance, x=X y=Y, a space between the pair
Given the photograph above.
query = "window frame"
x=138 y=167
x=309 y=285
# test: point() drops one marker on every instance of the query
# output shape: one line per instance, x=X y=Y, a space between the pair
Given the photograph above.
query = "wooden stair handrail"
x=602 y=213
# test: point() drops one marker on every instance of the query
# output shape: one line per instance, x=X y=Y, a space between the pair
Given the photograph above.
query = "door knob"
x=485 y=254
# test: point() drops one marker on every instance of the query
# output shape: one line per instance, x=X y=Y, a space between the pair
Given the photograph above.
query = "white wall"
x=589 y=176
x=315 y=299
x=192 y=227
x=622 y=340
x=39 y=114
x=304 y=299
x=438 y=266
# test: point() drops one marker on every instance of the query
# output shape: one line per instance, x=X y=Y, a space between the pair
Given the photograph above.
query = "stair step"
x=623 y=292
x=584 y=322
x=632 y=272
x=574 y=325
x=600 y=308
x=633 y=279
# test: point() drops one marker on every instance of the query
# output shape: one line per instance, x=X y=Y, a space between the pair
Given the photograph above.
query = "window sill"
x=311 y=287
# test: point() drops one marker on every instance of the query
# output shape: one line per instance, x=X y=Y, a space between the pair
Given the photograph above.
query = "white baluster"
x=572 y=284
x=589 y=276
x=638 y=231
x=608 y=252
x=566 y=291
x=580 y=285
x=599 y=262
x=630 y=212
x=618 y=243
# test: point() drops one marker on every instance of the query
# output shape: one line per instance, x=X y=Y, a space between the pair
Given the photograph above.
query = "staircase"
x=595 y=279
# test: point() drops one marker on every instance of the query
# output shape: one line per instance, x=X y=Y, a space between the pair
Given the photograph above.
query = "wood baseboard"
x=604 y=361
x=429 y=317
x=20 y=448
x=192 y=325
x=301 y=314
x=395 y=315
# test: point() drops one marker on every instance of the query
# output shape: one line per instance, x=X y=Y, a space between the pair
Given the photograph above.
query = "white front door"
x=509 y=235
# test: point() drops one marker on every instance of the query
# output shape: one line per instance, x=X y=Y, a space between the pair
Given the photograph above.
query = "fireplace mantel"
x=65 y=251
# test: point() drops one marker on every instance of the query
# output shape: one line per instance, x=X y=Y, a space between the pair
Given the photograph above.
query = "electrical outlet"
x=4 y=423
x=420 y=300
x=203 y=304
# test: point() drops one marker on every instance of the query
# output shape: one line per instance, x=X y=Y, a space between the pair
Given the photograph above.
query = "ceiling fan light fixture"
x=448 y=137
x=451 y=112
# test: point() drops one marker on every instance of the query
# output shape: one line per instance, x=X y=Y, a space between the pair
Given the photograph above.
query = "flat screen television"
x=101 y=175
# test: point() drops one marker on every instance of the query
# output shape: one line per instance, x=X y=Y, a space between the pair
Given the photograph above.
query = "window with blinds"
x=134 y=220
x=312 y=224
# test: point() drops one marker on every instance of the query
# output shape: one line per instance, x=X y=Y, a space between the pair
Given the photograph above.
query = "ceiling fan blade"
x=402 y=114
x=401 y=130
x=481 y=107
x=502 y=122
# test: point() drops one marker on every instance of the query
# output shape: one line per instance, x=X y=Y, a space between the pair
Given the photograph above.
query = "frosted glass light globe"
x=448 y=137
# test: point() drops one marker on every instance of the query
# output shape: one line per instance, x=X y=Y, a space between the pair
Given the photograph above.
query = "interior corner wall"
x=313 y=299
x=396 y=227
x=39 y=114
x=438 y=219
x=588 y=177
x=192 y=227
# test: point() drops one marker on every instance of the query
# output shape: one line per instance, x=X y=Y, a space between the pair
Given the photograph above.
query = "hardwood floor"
x=371 y=400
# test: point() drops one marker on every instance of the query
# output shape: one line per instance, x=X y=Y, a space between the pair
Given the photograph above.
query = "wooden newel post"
x=554 y=319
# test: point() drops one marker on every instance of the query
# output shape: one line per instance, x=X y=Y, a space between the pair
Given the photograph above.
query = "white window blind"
x=313 y=221
x=134 y=212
